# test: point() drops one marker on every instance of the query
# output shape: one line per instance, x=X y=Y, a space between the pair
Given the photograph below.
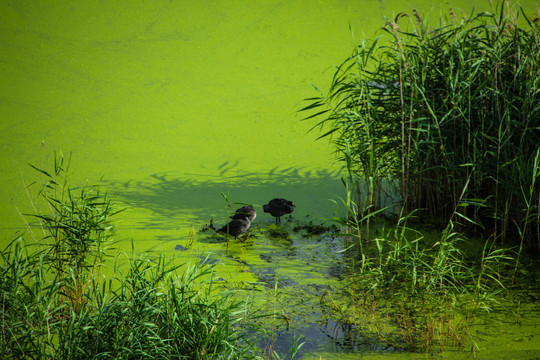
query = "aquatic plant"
x=292 y=352
x=408 y=291
x=75 y=222
x=426 y=109
x=446 y=119
x=411 y=292
x=153 y=309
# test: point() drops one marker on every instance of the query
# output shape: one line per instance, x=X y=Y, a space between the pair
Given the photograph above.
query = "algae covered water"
x=176 y=102
x=187 y=109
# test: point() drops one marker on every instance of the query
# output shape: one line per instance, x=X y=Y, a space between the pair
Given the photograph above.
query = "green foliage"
x=451 y=117
x=27 y=306
x=431 y=108
x=410 y=292
x=76 y=222
x=158 y=312
x=419 y=294
x=155 y=310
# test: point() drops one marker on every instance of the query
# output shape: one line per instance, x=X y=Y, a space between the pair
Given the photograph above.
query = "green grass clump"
x=415 y=293
x=75 y=223
x=153 y=310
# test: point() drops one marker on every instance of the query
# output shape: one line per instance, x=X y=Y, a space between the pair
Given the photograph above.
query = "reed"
x=429 y=108
x=75 y=221
x=153 y=309
x=414 y=293
x=411 y=292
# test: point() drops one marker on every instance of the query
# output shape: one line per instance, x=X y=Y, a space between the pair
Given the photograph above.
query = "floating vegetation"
x=277 y=232
x=310 y=229
x=445 y=117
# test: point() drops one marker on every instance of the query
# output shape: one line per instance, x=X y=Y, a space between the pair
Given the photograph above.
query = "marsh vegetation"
x=444 y=119
x=437 y=125
x=438 y=130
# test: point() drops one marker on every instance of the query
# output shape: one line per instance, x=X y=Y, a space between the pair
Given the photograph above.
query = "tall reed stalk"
x=429 y=107
x=76 y=221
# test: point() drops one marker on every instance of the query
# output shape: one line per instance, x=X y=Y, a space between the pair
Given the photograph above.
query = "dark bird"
x=237 y=226
x=279 y=207
x=243 y=211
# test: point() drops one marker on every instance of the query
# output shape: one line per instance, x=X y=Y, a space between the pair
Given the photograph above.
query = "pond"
x=188 y=109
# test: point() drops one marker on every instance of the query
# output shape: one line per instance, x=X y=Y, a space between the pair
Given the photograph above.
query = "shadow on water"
x=198 y=198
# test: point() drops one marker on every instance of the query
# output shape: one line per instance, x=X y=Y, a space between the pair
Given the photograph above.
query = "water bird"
x=243 y=211
x=237 y=226
x=278 y=207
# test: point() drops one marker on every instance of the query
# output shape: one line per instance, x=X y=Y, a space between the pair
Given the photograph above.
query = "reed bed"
x=153 y=310
x=438 y=110
x=445 y=120
x=418 y=293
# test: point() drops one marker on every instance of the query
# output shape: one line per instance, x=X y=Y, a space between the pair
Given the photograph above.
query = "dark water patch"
x=346 y=338
x=295 y=273
x=338 y=270
x=318 y=332
x=208 y=260
x=270 y=280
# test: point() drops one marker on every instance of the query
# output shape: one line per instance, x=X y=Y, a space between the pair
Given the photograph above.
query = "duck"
x=237 y=226
x=241 y=221
x=245 y=210
x=278 y=207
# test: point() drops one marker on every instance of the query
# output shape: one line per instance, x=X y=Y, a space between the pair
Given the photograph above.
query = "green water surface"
x=179 y=104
